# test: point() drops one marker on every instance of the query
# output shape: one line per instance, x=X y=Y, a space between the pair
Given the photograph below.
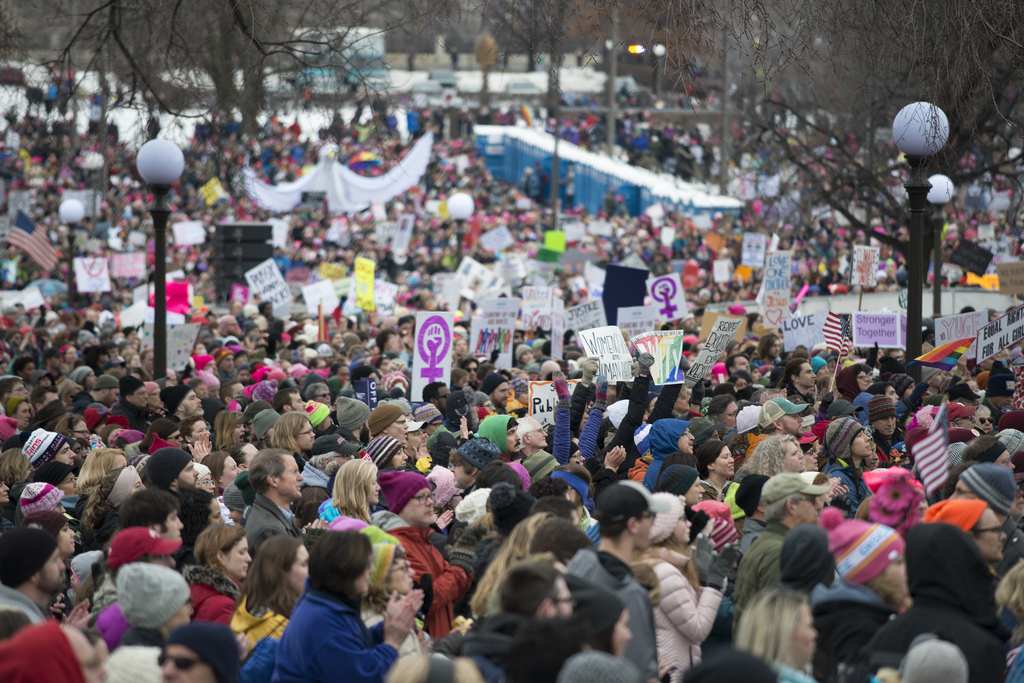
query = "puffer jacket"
x=858 y=492
x=213 y=594
x=683 y=619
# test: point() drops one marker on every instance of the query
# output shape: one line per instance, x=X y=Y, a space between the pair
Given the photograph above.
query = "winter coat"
x=1013 y=549
x=411 y=644
x=450 y=582
x=314 y=492
x=16 y=600
x=213 y=594
x=760 y=568
x=752 y=530
x=487 y=645
x=664 y=439
x=954 y=598
x=683 y=619
x=852 y=480
x=256 y=627
x=608 y=571
x=846 y=615
x=138 y=418
x=326 y=641
x=788 y=674
x=266 y=520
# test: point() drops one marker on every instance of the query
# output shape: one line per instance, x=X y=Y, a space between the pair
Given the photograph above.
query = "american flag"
x=33 y=241
x=930 y=453
x=837 y=333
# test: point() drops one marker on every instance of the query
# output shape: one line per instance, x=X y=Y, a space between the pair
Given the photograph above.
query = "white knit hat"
x=617 y=411
x=134 y=664
x=473 y=506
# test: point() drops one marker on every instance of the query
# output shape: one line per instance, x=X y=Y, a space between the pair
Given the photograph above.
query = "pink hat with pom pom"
x=723 y=530
x=664 y=523
x=862 y=550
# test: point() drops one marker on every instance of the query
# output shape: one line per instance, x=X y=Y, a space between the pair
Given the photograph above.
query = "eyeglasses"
x=979 y=532
x=422 y=499
x=180 y=663
x=404 y=567
x=206 y=482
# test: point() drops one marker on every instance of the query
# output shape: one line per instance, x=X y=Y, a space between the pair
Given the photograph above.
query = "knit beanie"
x=880 y=407
x=345 y=523
x=382 y=416
x=165 y=464
x=472 y=507
x=23 y=552
x=677 y=479
x=862 y=549
x=748 y=493
x=352 y=414
x=594 y=666
x=264 y=422
x=664 y=523
x=840 y=435
x=381 y=449
x=173 y=396
x=42 y=446
x=150 y=594
x=961 y=513
x=539 y=465
x=509 y=506
x=50 y=521
x=399 y=487
x=524 y=474
x=317 y=412
x=443 y=481
x=39 y=496
x=901 y=383
x=993 y=484
x=1012 y=439
x=214 y=644
x=723 y=530
x=265 y=390
x=79 y=374
x=242 y=483
x=129 y=384
x=233 y=498
x=491 y=382
x=616 y=412
x=480 y=452
x=53 y=472
x=934 y=661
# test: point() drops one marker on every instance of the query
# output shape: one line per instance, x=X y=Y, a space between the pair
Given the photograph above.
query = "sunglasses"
x=180 y=663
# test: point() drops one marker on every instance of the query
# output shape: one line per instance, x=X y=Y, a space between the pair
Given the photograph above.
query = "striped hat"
x=381 y=449
x=317 y=412
x=723 y=530
x=427 y=413
x=862 y=550
x=40 y=496
x=42 y=447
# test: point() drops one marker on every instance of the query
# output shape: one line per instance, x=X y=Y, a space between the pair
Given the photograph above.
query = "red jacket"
x=213 y=595
x=450 y=583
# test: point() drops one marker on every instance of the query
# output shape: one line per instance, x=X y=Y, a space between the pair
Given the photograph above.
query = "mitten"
x=561 y=389
x=461 y=556
x=590 y=366
x=602 y=392
x=721 y=566
x=645 y=360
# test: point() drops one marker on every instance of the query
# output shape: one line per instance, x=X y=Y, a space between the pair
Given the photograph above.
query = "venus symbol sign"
x=432 y=346
x=664 y=291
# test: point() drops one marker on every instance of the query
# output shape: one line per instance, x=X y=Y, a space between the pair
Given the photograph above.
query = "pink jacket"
x=683 y=620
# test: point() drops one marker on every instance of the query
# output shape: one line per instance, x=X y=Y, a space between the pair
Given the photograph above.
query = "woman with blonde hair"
x=294 y=433
x=777 y=627
x=228 y=429
x=515 y=548
x=775 y=454
x=67 y=391
x=96 y=466
x=391 y=574
x=1010 y=596
x=355 y=491
x=100 y=519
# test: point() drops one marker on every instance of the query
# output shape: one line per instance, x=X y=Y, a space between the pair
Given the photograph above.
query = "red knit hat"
x=399 y=488
x=862 y=550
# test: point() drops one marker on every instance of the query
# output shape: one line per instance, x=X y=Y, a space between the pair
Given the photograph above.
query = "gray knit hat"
x=233 y=498
x=598 y=667
x=263 y=422
x=934 y=661
x=352 y=413
x=79 y=374
x=993 y=484
x=150 y=594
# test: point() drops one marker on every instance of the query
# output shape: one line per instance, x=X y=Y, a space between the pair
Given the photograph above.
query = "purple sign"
x=433 y=361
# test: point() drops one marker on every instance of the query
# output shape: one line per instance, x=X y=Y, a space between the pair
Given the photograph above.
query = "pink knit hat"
x=862 y=550
x=39 y=496
x=723 y=532
x=202 y=361
x=665 y=522
x=523 y=474
x=344 y=523
x=444 y=485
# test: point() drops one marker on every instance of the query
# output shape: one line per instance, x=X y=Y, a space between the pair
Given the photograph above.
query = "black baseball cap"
x=623 y=500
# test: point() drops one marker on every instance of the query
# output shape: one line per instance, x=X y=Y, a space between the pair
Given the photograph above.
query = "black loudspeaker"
x=237 y=248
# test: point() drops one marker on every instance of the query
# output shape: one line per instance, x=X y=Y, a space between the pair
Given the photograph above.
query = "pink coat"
x=683 y=620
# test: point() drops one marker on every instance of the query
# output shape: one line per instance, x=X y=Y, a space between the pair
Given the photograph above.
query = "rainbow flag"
x=945 y=357
x=527 y=113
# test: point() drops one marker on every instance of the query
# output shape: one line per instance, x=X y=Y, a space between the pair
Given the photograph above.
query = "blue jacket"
x=664 y=438
x=858 y=489
x=325 y=639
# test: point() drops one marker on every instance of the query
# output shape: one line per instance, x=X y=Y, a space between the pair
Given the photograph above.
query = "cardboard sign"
x=708 y=323
x=364 y=269
x=775 y=287
x=804 y=330
x=718 y=338
x=266 y=282
x=634 y=320
x=667 y=349
x=92 y=274
x=607 y=344
x=1011 y=278
x=669 y=298
x=320 y=296
x=865 y=266
x=384 y=296
x=755 y=244
x=883 y=328
x=432 y=358
x=585 y=316
x=188 y=233
x=1000 y=334
x=130 y=265
x=542 y=400
x=493 y=331
x=557 y=327
x=497 y=240
x=971 y=257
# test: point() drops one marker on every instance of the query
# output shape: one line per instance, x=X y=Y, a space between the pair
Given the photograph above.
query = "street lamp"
x=919 y=130
x=160 y=163
x=941 y=194
x=71 y=211
x=659 y=54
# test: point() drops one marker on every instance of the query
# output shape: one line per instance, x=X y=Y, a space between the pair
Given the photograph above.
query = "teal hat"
x=817 y=363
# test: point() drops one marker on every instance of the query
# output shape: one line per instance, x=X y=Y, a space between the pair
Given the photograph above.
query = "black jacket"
x=846 y=616
x=954 y=598
x=138 y=418
x=488 y=645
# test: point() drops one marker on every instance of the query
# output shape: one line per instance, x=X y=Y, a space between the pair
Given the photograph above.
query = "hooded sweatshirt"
x=664 y=438
x=495 y=430
x=846 y=615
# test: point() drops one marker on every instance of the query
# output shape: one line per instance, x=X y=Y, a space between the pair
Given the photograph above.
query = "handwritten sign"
x=1011 y=278
x=721 y=270
x=667 y=348
x=668 y=296
x=1001 y=333
x=971 y=257
x=181 y=340
x=384 y=296
x=188 y=233
x=775 y=287
x=804 y=330
x=585 y=316
x=865 y=266
x=497 y=240
x=364 y=268
x=473 y=276
x=266 y=282
x=755 y=244
x=718 y=338
x=634 y=320
x=536 y=311
x=607 y=344
x=542 y=400
x=883 y=328
x=320 y=296
x=92 y=274
x=332 y=271
x=493 y=330
x=432 y=360
x=403 y=234
x=128 y=265
x=239 y=293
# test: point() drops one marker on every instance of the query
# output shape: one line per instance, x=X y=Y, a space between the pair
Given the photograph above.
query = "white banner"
x=92 y=274
x=30 y=298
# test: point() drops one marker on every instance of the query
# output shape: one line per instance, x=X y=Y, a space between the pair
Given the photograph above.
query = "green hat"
x=264 y=420
x=106 y=382
x=786 y=484
x=776 y=408
x=242 y=484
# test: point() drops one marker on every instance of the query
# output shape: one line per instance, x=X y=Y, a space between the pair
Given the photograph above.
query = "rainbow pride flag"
x=945 y=357
x=527 y=112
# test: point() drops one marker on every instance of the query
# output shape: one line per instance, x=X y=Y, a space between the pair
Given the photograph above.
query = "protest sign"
x=320 y=296
x=128 y=265
x=718 y=338
x=883 y=328
x=403 y=233
x=623 y=287
x=364 y=269
x=554 y=240
x=715 y=242
x=30 y=298
x=634 y=320
x=181 y=339
x=90 y=200
x=586 y=316
x=19 y=201
x=366 y=391
x=708 y=324
x=536 y=308
x=595 y=278
x=668 y=296
x=1000 y=334
x=384 y=296
x=755 y=244
x=557 y=327
x=804 y=330
x=297 y=275
x=775 y=287
x=722 y=270
x=332 y=271
x=961 y=326
x=599 y=228
x=493 y=330
x=497 y=240
x=667 y=349
x=92 y=274
x=446 y=291
x=473 y=277
x=141 y=293
x=239 y=293
x=574 y=231
x=384 y=232
x=971 y=257
x=432 y=358
x=543 y=398
x=607 y=344
x=865 y=266
x=188 y=233
x=266 y=282
x=1011 y=278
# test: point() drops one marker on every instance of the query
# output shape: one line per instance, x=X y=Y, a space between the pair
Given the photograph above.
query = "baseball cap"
x=414 y=426
x=786 y=484
x=130 y=544
x=626 y=499
x=842 y=408
x=958 y=410
x=776 y=408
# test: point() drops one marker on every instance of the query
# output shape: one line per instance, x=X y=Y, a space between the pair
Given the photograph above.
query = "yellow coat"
x=255 y=628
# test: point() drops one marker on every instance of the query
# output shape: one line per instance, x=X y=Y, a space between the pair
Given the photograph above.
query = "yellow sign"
x=984 y=281
x=332 y=271
x=555 y=240
x=213 y=191
x=364 y=283
x=198 y=302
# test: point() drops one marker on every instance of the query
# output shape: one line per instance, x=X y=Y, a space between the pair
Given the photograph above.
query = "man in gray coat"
x=624 y=512
x=275 y=476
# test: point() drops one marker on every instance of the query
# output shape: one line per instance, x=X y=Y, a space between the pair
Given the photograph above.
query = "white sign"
x=722 y=270
x=804 y=330
x=19 y=200
x=536 y=308
x=882 y=328
x=721 y=333
x=493 y=330
x=543 y=399
x=497 y=240
x=278 y=233
x=865 y=266
x=1000 y=334
x=403 y=233
x=132 y=264
x=634 y=320
x=92 y=274
x=320 y=294
x=754 y=246
x=30 y=298
x=432 y=350
x=473 y=276
x=384 y=295
x=181 y=340
x=446 y=291
x=668 y=297
x=953 y=327
x=266 y=282
x=585 y=316
x=775 y=287
x=557 y=327
x=189 y=233
x=595 y=280
x=607 y=344
x=600 y=228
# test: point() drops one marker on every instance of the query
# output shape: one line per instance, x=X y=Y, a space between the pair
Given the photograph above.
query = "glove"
x=590 y=366
x=425 y=584
x=721 y=566
x=645 y=361
x=702 y=554
x=561 y=389
x=915 y=398
x=462 y=557
x=602 y=392
x=684 y=365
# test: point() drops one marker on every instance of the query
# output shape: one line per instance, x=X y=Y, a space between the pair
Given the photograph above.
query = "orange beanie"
x=960 y=513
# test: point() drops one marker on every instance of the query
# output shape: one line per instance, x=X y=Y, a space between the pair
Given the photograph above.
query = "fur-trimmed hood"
x=218 y=581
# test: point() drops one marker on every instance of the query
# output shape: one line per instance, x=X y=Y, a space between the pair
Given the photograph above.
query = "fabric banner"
x=493 y=330
x=266 y=282
x=667 y=348
x=364 y=269
x=543 y=398
x=668 y=296
x=432 y=358
x=634 y=320
x=129 y=265
x=92 y=274
x=607 y=344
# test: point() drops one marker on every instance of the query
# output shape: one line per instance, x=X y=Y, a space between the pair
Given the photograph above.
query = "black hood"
x=492 y=639
x=459 y=405
x=945 y=569
x=442 y=448
x=805 y=559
